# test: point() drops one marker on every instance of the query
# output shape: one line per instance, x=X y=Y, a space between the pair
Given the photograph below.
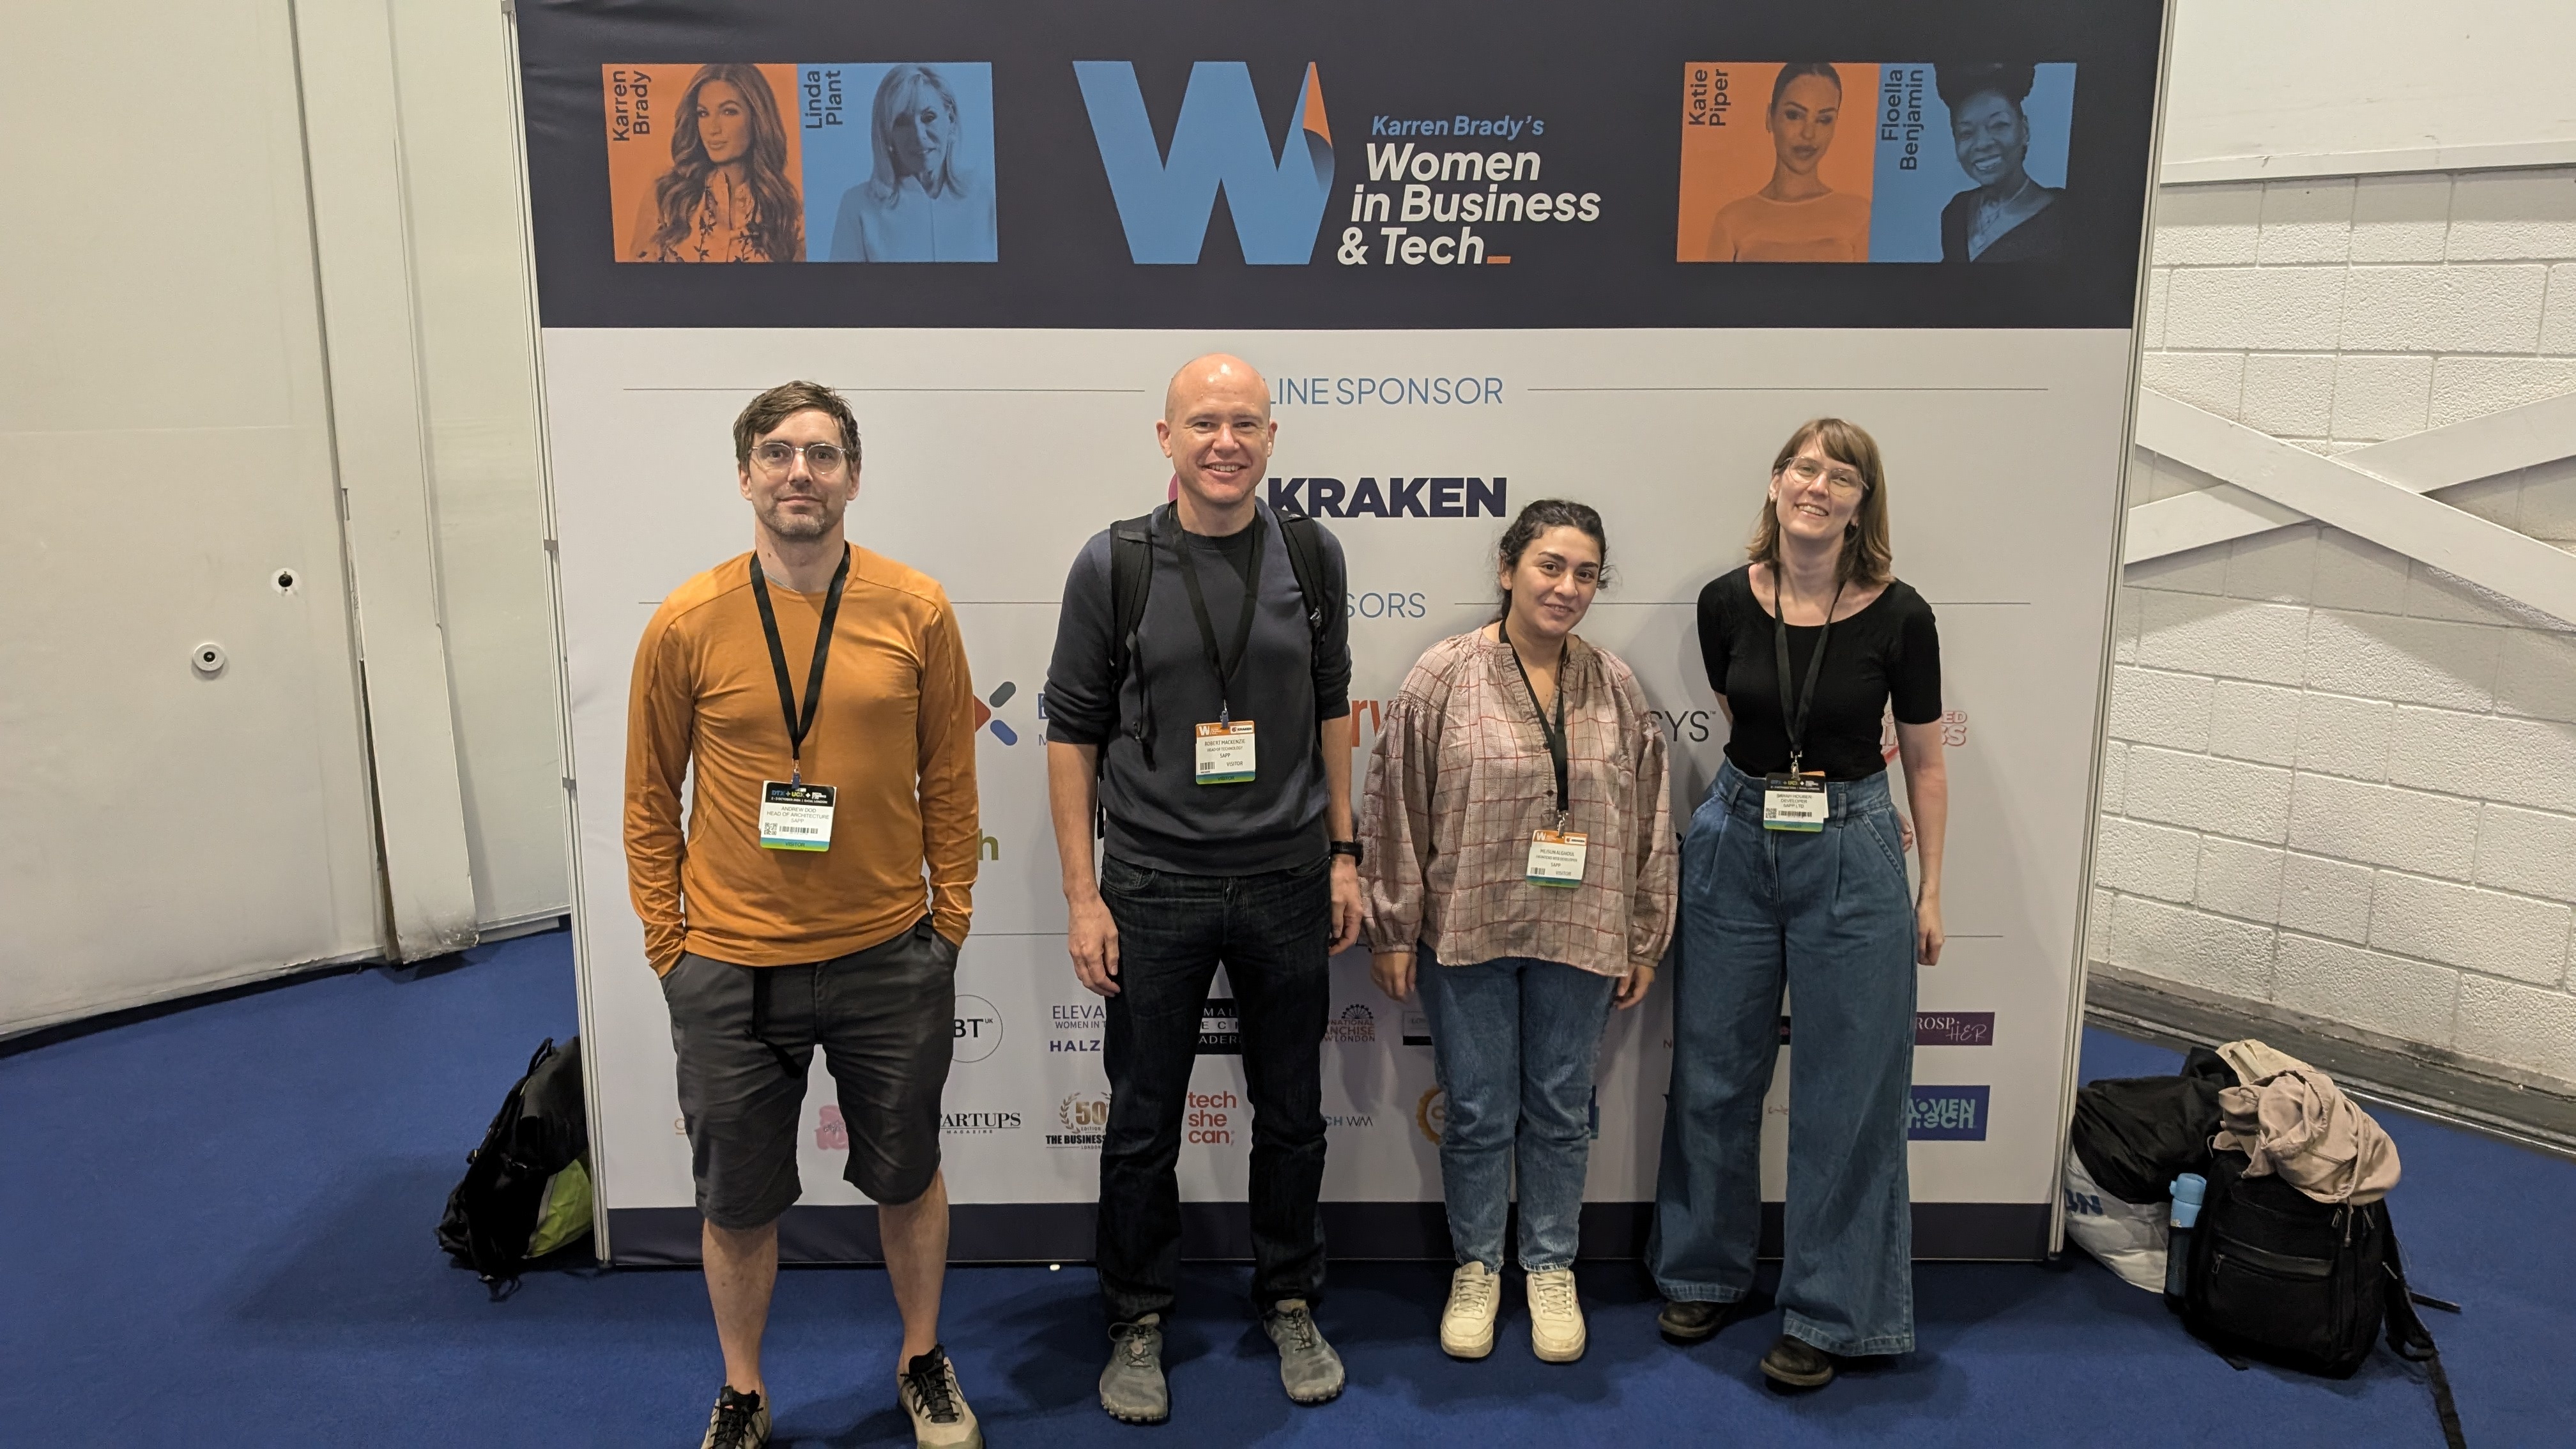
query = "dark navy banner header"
x=1345 y=164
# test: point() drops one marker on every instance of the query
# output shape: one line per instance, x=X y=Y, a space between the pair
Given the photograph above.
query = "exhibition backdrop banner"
x=1486 y=253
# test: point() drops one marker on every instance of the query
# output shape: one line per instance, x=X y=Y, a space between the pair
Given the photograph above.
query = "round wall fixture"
x=208 y=659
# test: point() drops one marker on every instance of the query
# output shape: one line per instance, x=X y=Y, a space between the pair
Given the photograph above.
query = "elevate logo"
x=1165 y=202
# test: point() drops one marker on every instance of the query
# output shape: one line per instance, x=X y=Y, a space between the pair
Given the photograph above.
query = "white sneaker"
x=1475 y=1300
x=1556 y=1319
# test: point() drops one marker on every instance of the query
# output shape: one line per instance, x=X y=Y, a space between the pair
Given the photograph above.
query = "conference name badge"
x=1793 y=802
x=1556 y=857
x=1225 y=752
x=795 y=816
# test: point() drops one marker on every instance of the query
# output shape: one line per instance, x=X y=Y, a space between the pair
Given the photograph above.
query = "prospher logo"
x=1276 y=197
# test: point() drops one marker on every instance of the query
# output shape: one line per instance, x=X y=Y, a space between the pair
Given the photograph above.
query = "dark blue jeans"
x=1272 y=932
x=1830 y=915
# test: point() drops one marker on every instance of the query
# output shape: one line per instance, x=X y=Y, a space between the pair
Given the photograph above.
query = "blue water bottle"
x=2187 y=1192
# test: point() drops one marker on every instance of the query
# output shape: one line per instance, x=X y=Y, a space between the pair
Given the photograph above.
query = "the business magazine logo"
x=1276 y=195
x=1081 y=1120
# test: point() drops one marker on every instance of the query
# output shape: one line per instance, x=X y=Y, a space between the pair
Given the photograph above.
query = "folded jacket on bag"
x=2299 y=1124
x=2252 y=1061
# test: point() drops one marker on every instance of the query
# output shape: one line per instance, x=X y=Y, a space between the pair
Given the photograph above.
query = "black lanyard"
x=1796 y=724
x=1556 y=747
x=799 y=725
x=1243 y=620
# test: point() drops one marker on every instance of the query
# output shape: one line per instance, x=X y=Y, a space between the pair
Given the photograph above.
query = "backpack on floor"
x=526 y=1191
x=2278 y=1276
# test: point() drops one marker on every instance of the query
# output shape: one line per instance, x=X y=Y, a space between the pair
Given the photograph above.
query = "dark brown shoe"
x=1797 y=1364
x=1688 y=1321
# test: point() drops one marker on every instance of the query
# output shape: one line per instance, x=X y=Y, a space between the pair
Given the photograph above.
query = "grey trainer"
x=1308 y=1367
x=1132 y=1387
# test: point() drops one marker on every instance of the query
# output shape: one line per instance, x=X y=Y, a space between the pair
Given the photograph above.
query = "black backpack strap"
x=1131 y=582
x=1315 y=587
x=2408 y=1336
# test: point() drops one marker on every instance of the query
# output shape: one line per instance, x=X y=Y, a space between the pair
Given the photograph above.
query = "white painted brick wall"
x=2338 y=780
x=2481 y=930
x=2369 y=989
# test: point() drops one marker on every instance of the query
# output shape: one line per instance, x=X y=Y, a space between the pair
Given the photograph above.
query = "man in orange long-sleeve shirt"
x=822 y=692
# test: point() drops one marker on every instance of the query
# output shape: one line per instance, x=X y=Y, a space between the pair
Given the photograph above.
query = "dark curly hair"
x=1537 y=518
x=1958 y=84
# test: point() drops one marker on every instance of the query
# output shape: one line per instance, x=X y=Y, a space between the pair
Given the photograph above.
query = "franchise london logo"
x=1356 y=1023
x=1277 y=198
x=985 y=718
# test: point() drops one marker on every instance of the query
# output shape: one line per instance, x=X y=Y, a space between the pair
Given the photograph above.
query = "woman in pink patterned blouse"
x=1519 y=867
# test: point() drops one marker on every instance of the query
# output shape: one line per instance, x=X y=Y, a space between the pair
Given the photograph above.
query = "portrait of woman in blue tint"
x=919 y=204
x=2007 y=216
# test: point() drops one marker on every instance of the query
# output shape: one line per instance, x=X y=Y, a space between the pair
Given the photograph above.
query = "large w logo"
x=1165 y=203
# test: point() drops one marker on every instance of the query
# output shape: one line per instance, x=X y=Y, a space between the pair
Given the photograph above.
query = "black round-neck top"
x=1887 y=654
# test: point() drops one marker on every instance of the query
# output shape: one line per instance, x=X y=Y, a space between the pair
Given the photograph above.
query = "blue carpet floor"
x=218 y=1232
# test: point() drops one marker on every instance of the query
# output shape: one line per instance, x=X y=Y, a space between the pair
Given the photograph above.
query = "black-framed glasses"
x=823 y=460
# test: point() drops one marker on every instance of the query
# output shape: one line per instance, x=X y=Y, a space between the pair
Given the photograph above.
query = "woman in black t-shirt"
x=1793 y=874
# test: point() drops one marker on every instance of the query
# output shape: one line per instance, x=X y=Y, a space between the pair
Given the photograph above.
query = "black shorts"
x=886 y=1019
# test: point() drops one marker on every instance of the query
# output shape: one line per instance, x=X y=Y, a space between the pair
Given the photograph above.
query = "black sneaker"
x=741 y=1421
x=940 y=1418
x=1797 y=1364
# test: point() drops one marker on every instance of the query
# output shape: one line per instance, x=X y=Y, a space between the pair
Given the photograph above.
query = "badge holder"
x=1556 y=856
x=1793 y=799
x=1225 y=752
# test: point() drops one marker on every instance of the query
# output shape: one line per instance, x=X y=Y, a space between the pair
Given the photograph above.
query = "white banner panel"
x=992 y=455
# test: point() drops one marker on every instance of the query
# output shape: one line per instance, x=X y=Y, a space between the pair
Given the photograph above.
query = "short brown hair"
x=1868 y=557
x=784 y=401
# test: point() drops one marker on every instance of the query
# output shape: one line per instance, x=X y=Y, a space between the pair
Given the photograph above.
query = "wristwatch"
x=1350 y=848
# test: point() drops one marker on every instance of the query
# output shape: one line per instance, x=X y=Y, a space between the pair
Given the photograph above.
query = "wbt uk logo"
x=1276 y=197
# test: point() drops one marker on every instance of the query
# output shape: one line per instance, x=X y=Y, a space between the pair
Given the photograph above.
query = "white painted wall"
x=174 y=431
x=2271 y=88
x=164 y=453
x=2339 y=780
x=479 y=401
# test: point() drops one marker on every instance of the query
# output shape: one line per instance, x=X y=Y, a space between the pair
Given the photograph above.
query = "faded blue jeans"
x=1830 y=914
x=1515 y=1040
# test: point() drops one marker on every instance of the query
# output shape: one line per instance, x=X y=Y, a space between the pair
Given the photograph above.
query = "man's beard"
x=795 y=526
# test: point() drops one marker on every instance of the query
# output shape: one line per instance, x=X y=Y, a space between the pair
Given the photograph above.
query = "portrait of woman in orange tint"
x=728 y=196
x=1797 y=217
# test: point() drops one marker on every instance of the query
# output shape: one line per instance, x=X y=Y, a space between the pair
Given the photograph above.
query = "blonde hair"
x=1867 y=556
